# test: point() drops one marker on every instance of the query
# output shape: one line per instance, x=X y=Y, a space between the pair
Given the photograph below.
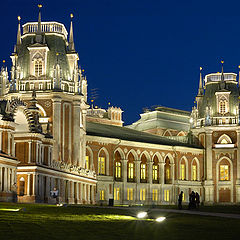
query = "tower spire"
x=39 y=30
x=222 y=83
x=19 y=40
x=39 y=18
x=200 y=89
x=71 y=40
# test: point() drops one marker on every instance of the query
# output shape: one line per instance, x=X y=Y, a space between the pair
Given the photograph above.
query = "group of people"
x=194 y=200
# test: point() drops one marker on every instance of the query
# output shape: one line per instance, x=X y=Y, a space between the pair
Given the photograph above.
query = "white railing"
x=215 y=77
x=45 y=27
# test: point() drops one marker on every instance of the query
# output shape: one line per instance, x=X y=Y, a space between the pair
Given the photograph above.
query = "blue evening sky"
x=139 y=53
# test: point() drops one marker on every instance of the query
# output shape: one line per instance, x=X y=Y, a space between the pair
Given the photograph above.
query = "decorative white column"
x=28 y=184
x=37 y=149
x=56 y=127
x=1 y=179
x=161 y=172
x=150 y=166
x=1 y=140
x=34 y=185
x=76 y=132
x=29 y=151
x=9 y=140
x=238 y=168
x=5 y=179
x=208 y=155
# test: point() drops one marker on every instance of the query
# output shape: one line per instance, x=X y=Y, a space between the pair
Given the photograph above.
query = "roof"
x=123 y=133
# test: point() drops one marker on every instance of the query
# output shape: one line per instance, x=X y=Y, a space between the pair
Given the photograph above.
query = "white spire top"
x=71 y=40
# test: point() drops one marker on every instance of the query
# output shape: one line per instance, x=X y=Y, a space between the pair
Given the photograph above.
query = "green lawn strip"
x=73 y=222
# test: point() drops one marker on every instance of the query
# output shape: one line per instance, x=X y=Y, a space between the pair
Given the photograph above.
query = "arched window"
x=131 y=167
x=143 y=168
x=182 y=170
x=224 y=172
x=38 y=67
x=87 y=162
x=167 y=173
x=102 y=163
x=155 y=169
x=194 y=172
x=118 y=165
x=118 y=170
x=143 y=171
x=21 y=186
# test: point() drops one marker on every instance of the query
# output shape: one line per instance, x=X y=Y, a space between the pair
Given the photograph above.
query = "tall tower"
x=216 y=123
x=47 y=79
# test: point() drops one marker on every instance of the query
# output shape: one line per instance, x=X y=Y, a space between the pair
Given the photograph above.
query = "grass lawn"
x=75 y=222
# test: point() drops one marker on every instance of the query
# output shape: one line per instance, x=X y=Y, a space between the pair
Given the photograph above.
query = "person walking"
x=180 y=197
x=197 y=199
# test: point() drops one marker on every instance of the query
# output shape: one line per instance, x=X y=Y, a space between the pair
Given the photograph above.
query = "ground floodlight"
x=142 y=214
x=160 y=219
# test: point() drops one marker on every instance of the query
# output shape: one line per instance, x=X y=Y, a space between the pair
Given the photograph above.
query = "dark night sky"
x=140 y=53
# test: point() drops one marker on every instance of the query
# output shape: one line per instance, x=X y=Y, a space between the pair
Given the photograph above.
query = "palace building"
x=51 y=138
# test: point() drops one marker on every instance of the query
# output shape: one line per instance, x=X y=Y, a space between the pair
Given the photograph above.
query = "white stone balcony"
x=47 y=27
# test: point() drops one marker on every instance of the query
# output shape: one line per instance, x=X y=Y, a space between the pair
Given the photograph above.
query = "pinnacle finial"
x=200 y=88
x=39 y=17
x=19 y=40
x=71 y=40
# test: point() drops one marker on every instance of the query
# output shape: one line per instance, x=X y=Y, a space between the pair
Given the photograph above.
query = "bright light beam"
x=9 y=209
x=160 y=219
x=141 y=214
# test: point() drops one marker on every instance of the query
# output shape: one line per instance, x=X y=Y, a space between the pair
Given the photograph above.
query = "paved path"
x=192 y=212
x=213 y=214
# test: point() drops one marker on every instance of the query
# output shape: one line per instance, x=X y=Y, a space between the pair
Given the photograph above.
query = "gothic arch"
x=231 y=167
x=120 y=151
x=107 y=158
x=169 y=155
x=147 y=155
x=230 y=179
x=42 y=110
x=91 y=165
x=158 y=155
x=167 y=133
x=133 y=153
x=183 y=159
x=224 y=139
x=181 y=134
x=198 y=168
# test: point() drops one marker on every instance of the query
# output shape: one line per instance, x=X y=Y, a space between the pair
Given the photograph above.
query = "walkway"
x=212 y=214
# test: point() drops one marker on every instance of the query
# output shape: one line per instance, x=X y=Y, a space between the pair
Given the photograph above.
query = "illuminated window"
x=182 y=171
x=155 y=195
x=224 y=173
x=166 y=195
x=130 y=170
x=38 y=67
x=130 y=194
x=102 y=195
x=194 y=172
x=118 y=170
x=101 y=165
x=167 y=173
x=142 y=194
x=222 y=106
x=183 y=197
x=155 y=172
x=87 y=162
x=143 y=171
x=116 y=193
